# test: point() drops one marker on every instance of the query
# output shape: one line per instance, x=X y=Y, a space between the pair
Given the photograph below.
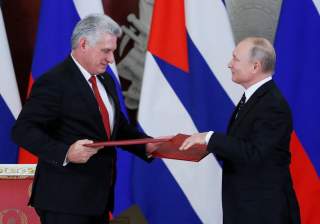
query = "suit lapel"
x=249 y=105
x=85 y=91
x=88 y=96
x=107 y=82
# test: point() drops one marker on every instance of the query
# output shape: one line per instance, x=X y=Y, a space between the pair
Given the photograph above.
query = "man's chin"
x=100 y=71
x=103 y=69
x=235 y=80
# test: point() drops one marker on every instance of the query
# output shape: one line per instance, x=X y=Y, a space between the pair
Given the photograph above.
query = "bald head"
x=252 y=61
x=262 y=51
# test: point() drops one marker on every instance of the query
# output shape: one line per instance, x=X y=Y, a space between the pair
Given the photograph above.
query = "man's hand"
x=78 y=153
x=151 y=147
x=198 y=138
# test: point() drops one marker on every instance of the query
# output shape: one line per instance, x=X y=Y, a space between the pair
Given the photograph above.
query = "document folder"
x=141 y=141
x=170 y=150
x=166 y=148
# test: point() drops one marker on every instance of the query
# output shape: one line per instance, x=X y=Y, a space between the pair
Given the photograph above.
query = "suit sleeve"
x=34 y=126
x=267 y=135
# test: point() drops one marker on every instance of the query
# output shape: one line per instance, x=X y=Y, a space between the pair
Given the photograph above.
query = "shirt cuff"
x=208 y=136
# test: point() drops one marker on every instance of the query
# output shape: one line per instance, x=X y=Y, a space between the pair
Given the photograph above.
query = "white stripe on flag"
x=213 y=39
x=85 y=8
x=8 y=84
x=317 y=4
x=115 y=71
x=160 y=111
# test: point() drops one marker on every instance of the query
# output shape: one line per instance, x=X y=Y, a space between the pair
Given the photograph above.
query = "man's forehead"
x=236 y=52
x=242 y=48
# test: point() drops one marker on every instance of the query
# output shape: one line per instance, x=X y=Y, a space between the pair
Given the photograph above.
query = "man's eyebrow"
x=234 y=56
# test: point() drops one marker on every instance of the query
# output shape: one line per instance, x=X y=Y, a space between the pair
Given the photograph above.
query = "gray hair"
x=92 y=27
x=264 y=52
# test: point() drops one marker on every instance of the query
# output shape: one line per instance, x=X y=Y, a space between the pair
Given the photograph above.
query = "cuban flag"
x=186 y=88
x=297 y=73
x=10 y=104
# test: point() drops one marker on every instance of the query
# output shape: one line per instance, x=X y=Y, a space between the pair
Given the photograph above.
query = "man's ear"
x=256 y=66
x=83 y=43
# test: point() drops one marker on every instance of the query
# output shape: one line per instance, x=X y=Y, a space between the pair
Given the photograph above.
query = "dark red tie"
x=102 y=107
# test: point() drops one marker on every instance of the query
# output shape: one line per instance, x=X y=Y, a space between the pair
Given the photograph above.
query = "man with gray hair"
x=256 y=181
x=70 y=107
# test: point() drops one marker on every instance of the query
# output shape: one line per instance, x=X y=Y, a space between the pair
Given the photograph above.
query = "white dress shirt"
x=107 y=100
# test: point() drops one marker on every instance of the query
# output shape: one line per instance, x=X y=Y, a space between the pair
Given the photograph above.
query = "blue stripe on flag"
x=8 y=150
x=56 y=22
x=297 y=44
x=199 y=91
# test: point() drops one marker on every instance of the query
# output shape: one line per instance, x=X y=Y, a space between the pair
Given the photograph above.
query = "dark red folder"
x=140 y=141
x=167 y=148
x=170 y=150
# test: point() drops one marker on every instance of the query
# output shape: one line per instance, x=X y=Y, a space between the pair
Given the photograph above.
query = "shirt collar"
x=84 y=72
x=250 y=91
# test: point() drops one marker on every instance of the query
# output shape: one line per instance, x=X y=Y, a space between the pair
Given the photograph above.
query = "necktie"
x=102 y=107
x=240 y=105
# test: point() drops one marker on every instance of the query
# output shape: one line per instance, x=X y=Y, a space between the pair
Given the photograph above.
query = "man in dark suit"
x=256 y=182
x=72 y=105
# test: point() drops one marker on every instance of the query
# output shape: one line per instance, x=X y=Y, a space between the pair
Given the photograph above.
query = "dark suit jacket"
x=256 y=183
x=61 y=110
